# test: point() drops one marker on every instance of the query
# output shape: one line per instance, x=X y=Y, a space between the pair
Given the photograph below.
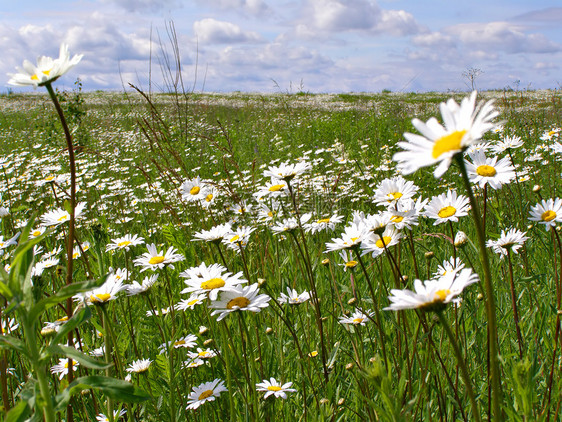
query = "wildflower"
x=193 y=190
x=153 y=259
x=350 y=238
x=447 y=207
x=238 y=239
x=547 y=212
x=60 y=216
x=202 y=354
x=453 y=265
x=275 y=388
x=5 y=243
x=205 y=392
x=188 y=342
x=211 y=280
x=287 y=172
x=139 y=366
x=7 y=326
x=61 y=368
x=461 y=239
x=348 y=262
x=464 y=125
x=116 y=415
x=508 y=142
x=136 y=288
x=513 y=239
x=46 y=71
x=214 y=235
x=274 y=189
x=434 y=294
x=489 y=171
x=105 y=293
x=328 y=223
x=239 y=298
x=405 y=214
x=376 y=244
x=191 y=302
x=293 y=297
x=290 y=224
x=124 y=242
x=394 y=190
x=357 y=318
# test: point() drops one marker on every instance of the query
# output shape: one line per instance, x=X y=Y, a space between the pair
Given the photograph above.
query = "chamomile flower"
x=205 y=392
x=137 y=288
x=239 y=299
x=351 y=238
x=124 y=242
x=274 y=189
x=46 y=71
x=116 y=415
x=434 y=294
x=193 y=190
x=275 y=388
x=547 y=212
x=188 y=342
x=507 y=142
x=489 y=171
x=376 y=244
x=61 y=368
x=394 y=190
x=202 y=354
x=214 y=234
x=464 y=125
x=357 y=318
x=191 y=302
x=211 y=280
x=139 y=366
x=287 y=172
x=60 y=216
x=327 y=223
x=453 y=265
x=293 y=297
x=153 y=259
x=513 y=239
x=349 y=263
x=105 y=293
x=447 y=207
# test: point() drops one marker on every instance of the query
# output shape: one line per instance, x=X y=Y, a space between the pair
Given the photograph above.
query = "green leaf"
x=63 y=294
x=78 y=318
x=9 y=342
x=81 y=358
x=19 y=412
x=113 y=388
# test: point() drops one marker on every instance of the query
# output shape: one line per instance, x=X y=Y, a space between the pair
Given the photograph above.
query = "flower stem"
x=461 y=363
x=490 y=300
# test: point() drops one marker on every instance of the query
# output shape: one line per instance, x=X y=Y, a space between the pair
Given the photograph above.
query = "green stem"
x=489 y=289
x=461 y=363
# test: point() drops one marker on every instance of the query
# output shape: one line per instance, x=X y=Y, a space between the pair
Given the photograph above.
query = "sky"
x=317 y=46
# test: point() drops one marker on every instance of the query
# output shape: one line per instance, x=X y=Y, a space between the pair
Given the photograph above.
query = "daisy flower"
x=137 y=288
x=447 y=207
x=202 y=354
x=357 y=318
x=116 y=415
x=290 y=224
x=192 y=190
x=293 y=297
x=239 y=298
x=273 y=189
x=547 y=212
x=453 y=265
x=8 y=326
x=348 y=262
x=205 y=392
x=153 y=259
x=37 y=232
x=396 y=189
x=508 y=142
x=238 y=239
x=464 y=125
x=61 y=368
x=376 y=244
x=103 y=294
x=434 y=294
x=46 y=71
x=214 y=235
x=351 y=238
x=191 y=302
x=483 y=170
x=124 y=242
x=12 y=241
x=405 y=214
x=211 y=280
x=139 y=366
x=513 y=239
x=188 y=341
x=287 y=172
x=60 y=216
x=275 y=388
x=328 y=223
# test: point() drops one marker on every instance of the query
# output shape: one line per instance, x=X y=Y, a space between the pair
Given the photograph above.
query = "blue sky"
x=287 y=45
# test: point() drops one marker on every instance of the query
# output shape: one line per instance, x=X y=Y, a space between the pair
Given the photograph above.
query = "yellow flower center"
x=395 y=195
x=194 y=190
x=323 y=220
x=36 y=233
x=548 y=215
x=441 y=295
x=351 y=264
x=486 y=171
x=203 y=354
x=156 y=260
x=63 y=217
x=205 y=394
x=552 y=132
x=383 y=241
x=447 y=143
x=213 y=283
x=124 y=243
x=179 y=343
x=102 y=297
x=209 y=197
x=235 y=239
x=276 y=188
x=240 y=302
x=270 y=214
x=49 y=178
x=357 y=320
x=63 y=319
x=353 y=239
x=446 y=212
x=75 y=255
x=192 y=302
x=274 y=388
x=396 y=218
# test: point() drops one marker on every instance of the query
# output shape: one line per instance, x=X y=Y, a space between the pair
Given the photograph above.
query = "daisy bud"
x=480 y=296
x=325 y=262
x=558 y=228
x=341 y=401
x=324 y=401
x=559 y=312
x=268 y=330
x=207 y=342
x=349 y=366
x=261 y=282
x=404 y=278
x=351 y=301
x=461 y=239
x=537 y=188
x=46 y=332
x=429 y=255
x=203 y=330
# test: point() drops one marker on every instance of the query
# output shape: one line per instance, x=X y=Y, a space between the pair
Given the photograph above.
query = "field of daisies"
x=245 y=257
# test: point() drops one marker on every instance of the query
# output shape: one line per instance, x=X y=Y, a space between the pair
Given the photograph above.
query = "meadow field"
x=245 y=257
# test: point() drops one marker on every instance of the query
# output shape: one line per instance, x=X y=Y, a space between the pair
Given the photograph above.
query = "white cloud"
x=252 y=7
x=145 y=5
x=212 y=31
